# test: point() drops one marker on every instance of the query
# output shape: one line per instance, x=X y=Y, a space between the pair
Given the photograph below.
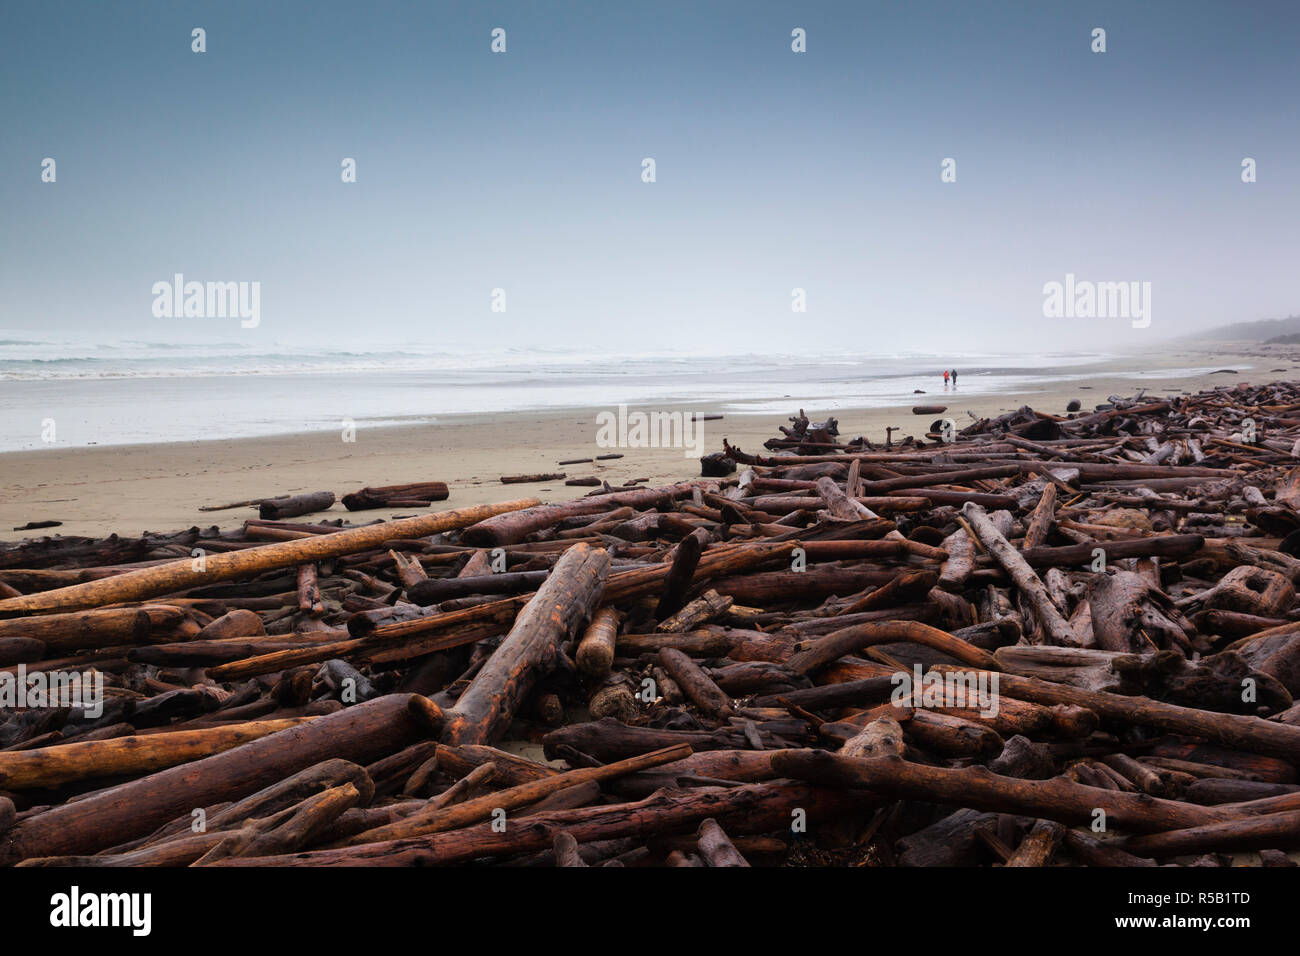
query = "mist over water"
x=119 y=391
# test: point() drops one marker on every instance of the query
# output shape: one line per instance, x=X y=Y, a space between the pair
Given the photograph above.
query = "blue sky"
x=775 y=170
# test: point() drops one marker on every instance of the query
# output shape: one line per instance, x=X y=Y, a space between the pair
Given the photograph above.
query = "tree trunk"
x=485 y=709
x=190 y=572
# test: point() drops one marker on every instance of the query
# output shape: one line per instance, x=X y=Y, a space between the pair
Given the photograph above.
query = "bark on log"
x=1270 y=831
x=385 y=496
x=1037 y=848
x=847 y=640
x=291 y=506
x=437 y=590
x=1049 y=615
x=92 y=629
x=686 y=558
x=63 y=763
x=595 y=654
x=716 y=847
x=696 y=684
x=485 y=709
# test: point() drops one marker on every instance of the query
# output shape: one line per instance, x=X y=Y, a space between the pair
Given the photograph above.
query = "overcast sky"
x=775 y=170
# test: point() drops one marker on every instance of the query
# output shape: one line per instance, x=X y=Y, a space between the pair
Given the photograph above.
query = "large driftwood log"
x=277 y=509
x=359 y=733
x=1250 y=734
x=1270 y=831
x=385 y=496
x=1049 y=615
x=189 y=572
x=63 y=763
x=85 y=630
x=484 y=711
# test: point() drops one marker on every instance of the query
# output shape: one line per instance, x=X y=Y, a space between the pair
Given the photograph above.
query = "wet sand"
x=128 y=489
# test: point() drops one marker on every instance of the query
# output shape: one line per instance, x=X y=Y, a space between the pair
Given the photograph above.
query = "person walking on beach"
x=954 y=378
x=945 y=377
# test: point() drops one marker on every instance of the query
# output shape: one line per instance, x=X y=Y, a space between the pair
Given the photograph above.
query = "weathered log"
x=384 y=496
x=882 y=737
x=434 y=591
x=526 y=479
x=1174 y=546
x=177 y=575
x=309 y=599
x=1041 y=521
x=291 y=506
x=7 y=814
x=1049 y=615
x=696 y=684
x=770 y=587
x=288 y=830
x=1250 y=734
x=716 y=847
x=1037 y=848
x=566 y=850
x=484 y=711
x=705 y=608
x=595 y=653
x=960 y=564
x=237 y=623
x=847 y=640
x=1270 y=831
x=686 y=558
x=359 y=733
x=21 y=650
x=62 y=763
x=1055 y=799
x=92 y=629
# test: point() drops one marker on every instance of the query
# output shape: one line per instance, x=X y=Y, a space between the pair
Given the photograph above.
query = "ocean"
x=117 y=392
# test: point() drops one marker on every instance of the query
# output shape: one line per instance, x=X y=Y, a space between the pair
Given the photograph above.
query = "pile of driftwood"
x=1035 y=640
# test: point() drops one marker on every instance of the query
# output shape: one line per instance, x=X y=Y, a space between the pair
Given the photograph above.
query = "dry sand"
x=129 y=489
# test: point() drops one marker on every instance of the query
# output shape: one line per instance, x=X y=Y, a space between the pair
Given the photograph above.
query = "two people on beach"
x=953 y=373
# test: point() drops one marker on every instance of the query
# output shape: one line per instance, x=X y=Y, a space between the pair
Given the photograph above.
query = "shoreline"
x=128 y=489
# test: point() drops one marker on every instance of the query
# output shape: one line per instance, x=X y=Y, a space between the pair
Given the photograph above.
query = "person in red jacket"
x=945 y=376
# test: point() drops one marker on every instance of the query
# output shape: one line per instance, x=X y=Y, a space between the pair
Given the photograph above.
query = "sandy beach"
x=129 y=489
